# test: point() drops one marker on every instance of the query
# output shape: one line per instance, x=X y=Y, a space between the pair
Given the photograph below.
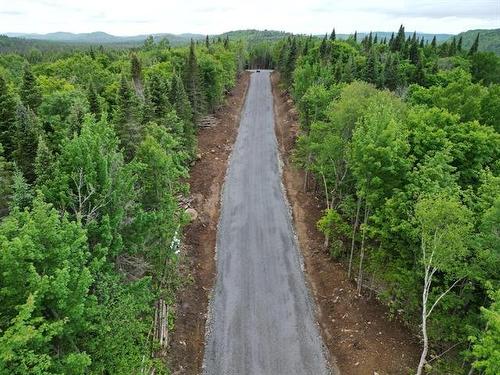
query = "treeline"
x=94 y=152
x=402 y=138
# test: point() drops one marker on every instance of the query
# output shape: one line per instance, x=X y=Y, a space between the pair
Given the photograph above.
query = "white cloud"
x=126 y=17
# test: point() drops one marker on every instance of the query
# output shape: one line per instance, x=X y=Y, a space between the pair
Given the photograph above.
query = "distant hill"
x=489 y=40
x=100 y=37
x=254 y=36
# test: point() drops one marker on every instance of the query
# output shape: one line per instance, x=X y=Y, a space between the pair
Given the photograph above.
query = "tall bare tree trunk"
x=362 y=251
x=354 y=228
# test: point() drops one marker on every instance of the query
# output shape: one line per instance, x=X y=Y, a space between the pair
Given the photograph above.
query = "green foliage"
x=96 y=157
x=47 y=256
x=395 y=170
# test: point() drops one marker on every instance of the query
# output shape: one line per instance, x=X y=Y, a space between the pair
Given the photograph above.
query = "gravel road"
x=261 y=316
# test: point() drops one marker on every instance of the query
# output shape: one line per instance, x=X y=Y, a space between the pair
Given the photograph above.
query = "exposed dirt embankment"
x=206 y=180
x=360 y=338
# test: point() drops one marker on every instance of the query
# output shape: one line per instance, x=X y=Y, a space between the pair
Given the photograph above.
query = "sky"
x=126 y=17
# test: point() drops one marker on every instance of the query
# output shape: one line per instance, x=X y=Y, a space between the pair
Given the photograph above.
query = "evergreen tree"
x=7 y=118
x=192 y=83
x=323 y=47
x=422 y=42
x=475 y=46
x=30 y=93
x=434 y=43
x=157 y=96
x=355 y=37
x=459 y=44
x=226 y=42
x=413 y=52
x=126 y=118
x=452 y=51
x=371 y=68
x=420 y=71
x=93 y=100
x=348 y=74
x=375 y=40
x=207 y=42
x=180 y=101
x=399 y=40
x=135 y=68
x=392 y=76
x=391 y=42
x=333 y=36
x=290 y=62
x=43 y=162
x=25 y=141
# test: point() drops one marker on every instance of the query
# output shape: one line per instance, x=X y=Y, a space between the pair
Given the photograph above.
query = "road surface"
x=261 y=316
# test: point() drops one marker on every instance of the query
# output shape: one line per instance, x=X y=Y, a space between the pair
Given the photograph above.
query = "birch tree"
x=444 y=229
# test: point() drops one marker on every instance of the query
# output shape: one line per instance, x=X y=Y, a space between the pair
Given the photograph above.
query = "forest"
x=95 y=149
x=400 y=137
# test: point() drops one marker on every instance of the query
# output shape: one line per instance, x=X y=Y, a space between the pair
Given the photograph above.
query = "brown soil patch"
x=359 y=336
x=206 y=180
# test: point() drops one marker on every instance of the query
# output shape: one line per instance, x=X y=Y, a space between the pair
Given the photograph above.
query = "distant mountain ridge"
x=489 y=39
x=100 y=37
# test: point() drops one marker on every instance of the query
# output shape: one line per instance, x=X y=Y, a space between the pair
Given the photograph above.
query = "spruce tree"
x=290 y=62
x=434 y=43
x=475 y=46
x=7 y=118
x=452 y=51
x=26 y=141
x=422 y=42
x=323 y=47
x=333 y=36
x=93 y=100
x=43 y=162
x=207 y=42
x=193 y=83
x=371 y=69
x=126 y=118
x=180 y=100
x=391 y=42
x=399 y=40
x=30 y=93
x=413 y=52
x=355 y=37
x=459 y=44
x=375 y=40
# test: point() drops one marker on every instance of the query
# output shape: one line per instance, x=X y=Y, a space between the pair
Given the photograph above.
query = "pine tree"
x=157 y=92
x=207 y=42
x=391 y=42
x=375 y=40
x=333 y=36
x=180 y=100
x=459 y=44
x=475 y=46
x=193 y=83
x=7 y=118
x=392 y=76
x=422 y=42
x=355 y=37
x=135 y=68
x=226 y=42
x=43 y=162
x=30 y=93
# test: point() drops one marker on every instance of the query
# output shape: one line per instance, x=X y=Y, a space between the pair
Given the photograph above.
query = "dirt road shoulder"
x=360 y=338
x=198 y=250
